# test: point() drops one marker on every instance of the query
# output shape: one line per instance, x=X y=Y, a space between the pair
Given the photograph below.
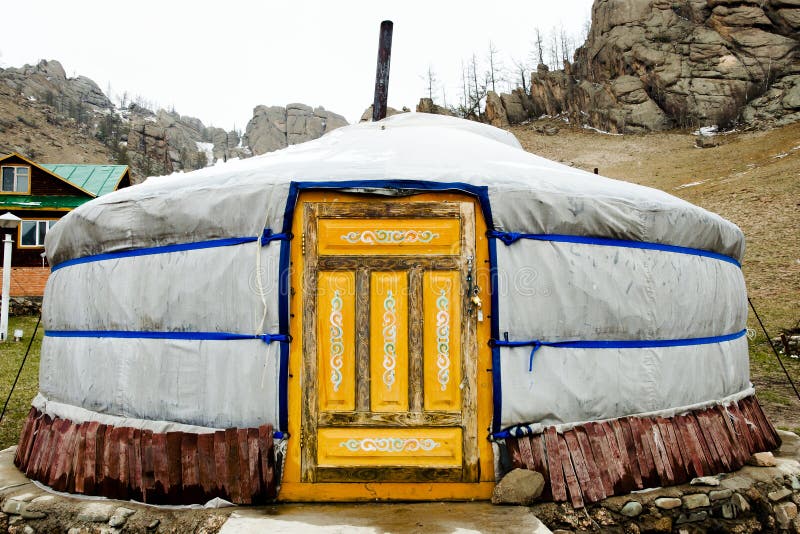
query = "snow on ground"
x=691 y=184
x=592 y=128
x=707 y=131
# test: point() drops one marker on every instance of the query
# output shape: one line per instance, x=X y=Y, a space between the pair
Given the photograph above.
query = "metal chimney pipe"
x=382 y=73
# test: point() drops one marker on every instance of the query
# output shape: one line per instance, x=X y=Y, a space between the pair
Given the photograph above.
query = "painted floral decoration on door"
x=337 y=340
x=372 y=237
x=389 y=339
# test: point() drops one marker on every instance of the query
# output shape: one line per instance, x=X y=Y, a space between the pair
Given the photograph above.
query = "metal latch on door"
x=473 y=291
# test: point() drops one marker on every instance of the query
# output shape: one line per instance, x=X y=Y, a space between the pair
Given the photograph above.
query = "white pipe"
x=7 y=242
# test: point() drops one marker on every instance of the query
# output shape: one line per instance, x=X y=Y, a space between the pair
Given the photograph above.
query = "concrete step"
x=368 y=518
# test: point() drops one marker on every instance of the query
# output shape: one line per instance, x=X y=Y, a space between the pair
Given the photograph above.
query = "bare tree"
x=493 y=74
x=567 y=45
x=473 y=89
x=521 y=70
x=431 y=81
x=538 y=46
x=554 y=51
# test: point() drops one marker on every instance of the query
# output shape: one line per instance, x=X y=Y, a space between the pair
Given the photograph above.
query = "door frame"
x=293 y=488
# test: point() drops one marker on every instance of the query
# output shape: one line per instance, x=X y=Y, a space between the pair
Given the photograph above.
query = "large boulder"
x=654 y=64
x=276 y=127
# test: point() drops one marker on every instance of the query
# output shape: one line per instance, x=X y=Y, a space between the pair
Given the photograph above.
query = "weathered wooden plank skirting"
x=127 y=463
x=597 y=460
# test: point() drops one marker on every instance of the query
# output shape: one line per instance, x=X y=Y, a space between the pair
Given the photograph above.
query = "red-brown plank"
x=594 y=472
x=742 y=432
x=42 y=449
x=713 y=463
x=123 y=437
x=25 y=437
x=90 y=459
x=26 y=456
x=148 y=466
x=737 y=447
x=602 y=457
x=256 y=488
x=667 y=431
x=628 y=480
x=50 y=464
x=647 y=465
x=221 y=465
x=79 y=460
x=752 y=427
x=512 y=445
x=557 y=482
x=661 y=449
x=691 y=448
x=754 y=412
x=36 y=445
x=579 y=463
x=525 y=452
x=64 y=469
x=714 y=441
x=265 y=454
x=160 y=469
x=244 y=466
x=111 y=479
x=769 y=437
x=136 y=477
x=631 y=451
x=540 y=463
x=174 y=468
x=205 y=460
x=575 y=495
x=624 y=482
x=232 y=464
x=190 y=468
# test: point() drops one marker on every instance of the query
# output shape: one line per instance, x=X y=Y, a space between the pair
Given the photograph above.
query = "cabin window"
x=31 y=233
x=16 y=179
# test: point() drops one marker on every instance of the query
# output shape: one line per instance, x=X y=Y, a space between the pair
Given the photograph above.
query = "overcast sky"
x=218 y=62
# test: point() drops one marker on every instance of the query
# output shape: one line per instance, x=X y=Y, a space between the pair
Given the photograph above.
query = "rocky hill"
x=658 y=64
x=75 y=110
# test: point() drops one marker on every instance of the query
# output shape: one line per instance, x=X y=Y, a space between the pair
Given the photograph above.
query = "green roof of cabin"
x=96 y=179
x=37 y=202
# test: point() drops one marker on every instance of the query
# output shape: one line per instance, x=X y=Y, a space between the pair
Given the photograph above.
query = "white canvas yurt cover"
x=617 y=316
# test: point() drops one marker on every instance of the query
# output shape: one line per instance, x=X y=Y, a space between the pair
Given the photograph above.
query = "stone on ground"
x=520 y=486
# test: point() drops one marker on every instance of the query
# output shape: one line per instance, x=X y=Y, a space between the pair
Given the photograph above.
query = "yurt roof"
x=527 y=193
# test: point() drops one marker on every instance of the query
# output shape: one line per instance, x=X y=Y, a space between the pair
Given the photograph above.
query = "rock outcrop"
x=656 y=64
x=367 y=115
x=275 y=127
x=426 y=105
x=47 y=81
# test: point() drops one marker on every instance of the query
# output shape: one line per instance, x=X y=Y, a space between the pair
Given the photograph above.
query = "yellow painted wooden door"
x=389 y=389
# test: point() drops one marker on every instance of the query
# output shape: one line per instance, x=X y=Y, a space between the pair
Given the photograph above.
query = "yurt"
x=405 y=309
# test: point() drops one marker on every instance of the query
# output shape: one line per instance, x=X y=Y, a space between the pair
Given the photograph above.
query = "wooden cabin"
x=41 y=194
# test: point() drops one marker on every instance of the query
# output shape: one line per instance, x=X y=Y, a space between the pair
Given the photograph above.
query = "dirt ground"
x=751 y=178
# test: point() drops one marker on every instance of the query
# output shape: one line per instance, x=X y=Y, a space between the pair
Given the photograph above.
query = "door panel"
x=389 y=341
x=335 y=335
x=428 y=447
x=396 y=236
x=442 y=328
x=389 y=348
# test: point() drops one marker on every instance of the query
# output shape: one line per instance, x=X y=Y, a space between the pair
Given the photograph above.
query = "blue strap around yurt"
x=143 y=334
x=266 y=237
x=536 y=344
x=511 y=237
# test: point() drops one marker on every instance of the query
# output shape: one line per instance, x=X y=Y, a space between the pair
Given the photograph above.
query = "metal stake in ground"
x=769 y=341
x=382 y=73
x=33 y=336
